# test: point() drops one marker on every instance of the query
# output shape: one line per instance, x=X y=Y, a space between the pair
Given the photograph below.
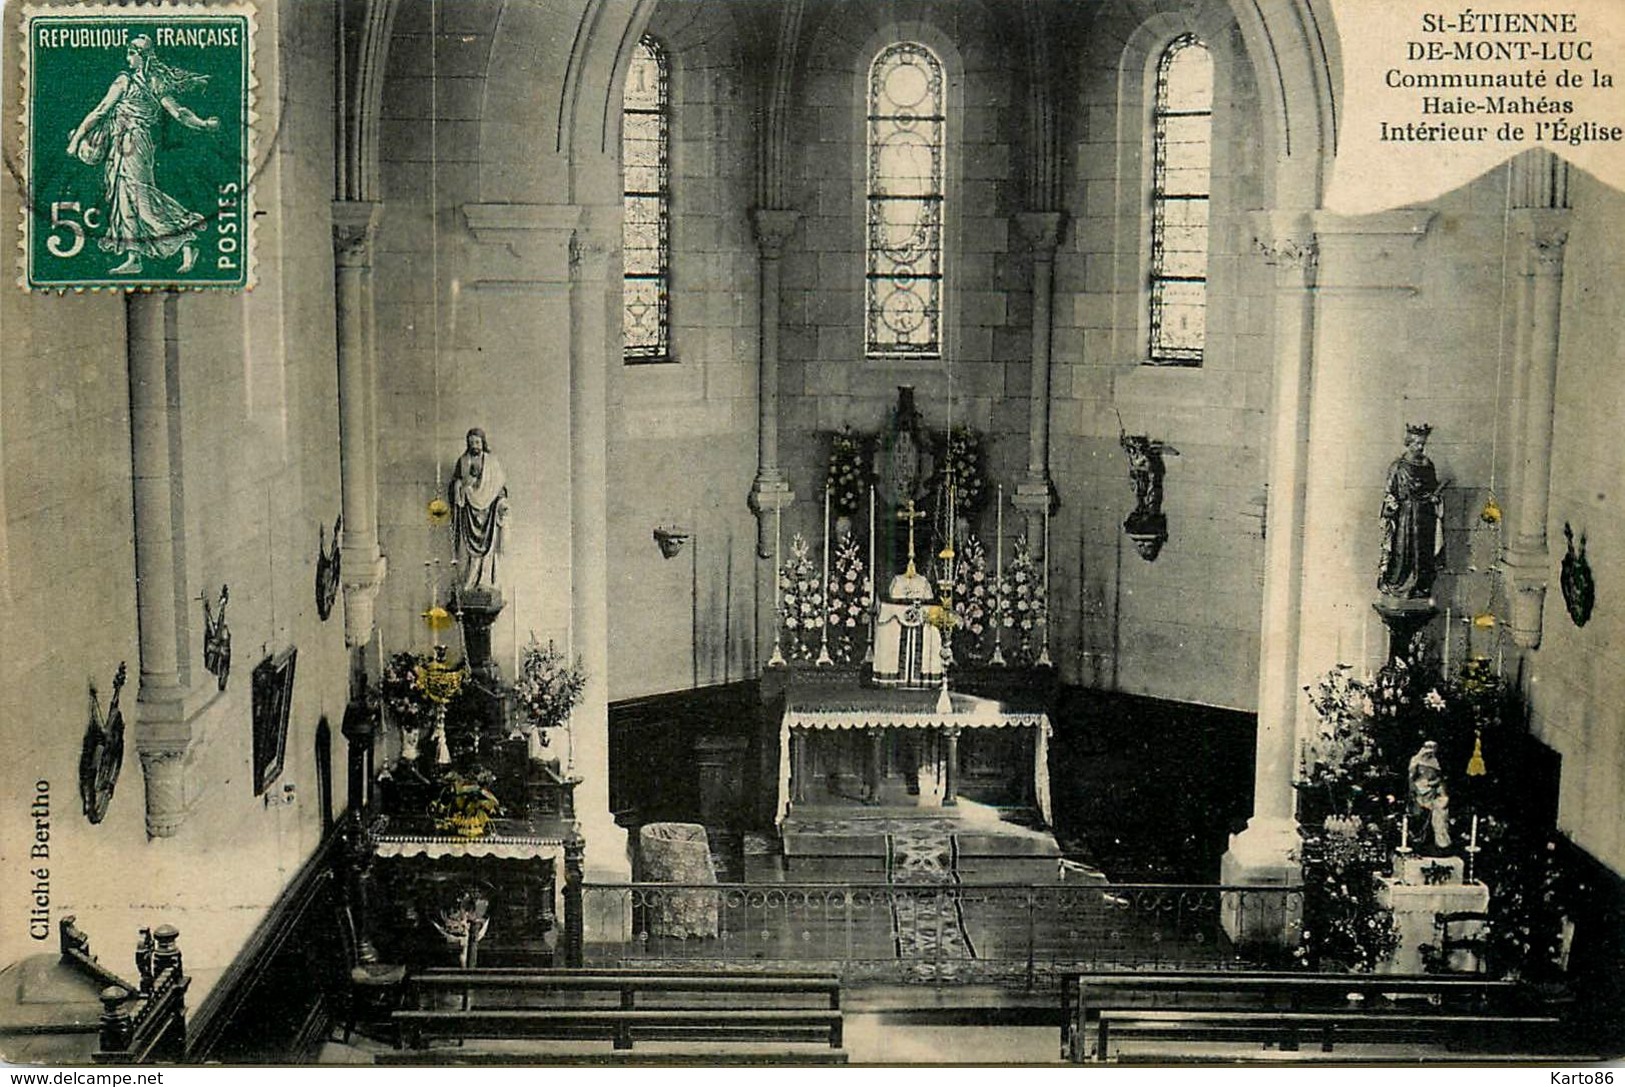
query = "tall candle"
x=513 y=616
x=1046 y=562
x=1447 y=643
x=778 y=523
x=874 y=577
x=825 y=586
x=1404 y=832
x=1474 y=843
x=998 y=540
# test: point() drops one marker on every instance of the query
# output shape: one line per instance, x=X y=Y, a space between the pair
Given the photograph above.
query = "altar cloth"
x=866 y=709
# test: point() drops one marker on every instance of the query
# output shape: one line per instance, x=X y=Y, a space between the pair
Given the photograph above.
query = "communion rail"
x=1013 y=935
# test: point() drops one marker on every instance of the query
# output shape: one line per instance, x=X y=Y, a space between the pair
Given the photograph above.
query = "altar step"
x=835 y=844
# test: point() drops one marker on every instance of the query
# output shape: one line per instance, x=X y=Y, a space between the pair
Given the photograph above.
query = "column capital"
x=769 y=495
x=1041 y=230
x=363 y=573
x=1034 y=495
x=163 y=768
x=773 y=229
x=354 y=224
x=1527 y=567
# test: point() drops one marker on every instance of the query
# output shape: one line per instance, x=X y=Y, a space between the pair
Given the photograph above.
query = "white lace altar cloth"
x=968 y=713
x=502 y=847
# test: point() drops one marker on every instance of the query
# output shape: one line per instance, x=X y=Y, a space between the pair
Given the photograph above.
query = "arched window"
x=646 y=229
x=903 y=245
x=1182 y=158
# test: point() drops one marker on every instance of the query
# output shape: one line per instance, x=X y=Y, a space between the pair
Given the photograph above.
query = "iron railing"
x=942 y=933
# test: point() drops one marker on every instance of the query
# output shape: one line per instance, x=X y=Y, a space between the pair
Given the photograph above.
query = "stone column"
x=769 y=493
x=1542 y=234
x=162 y=732
x=590 y=355
x=363 y=565
x=1262 y=853
x=1035 y=494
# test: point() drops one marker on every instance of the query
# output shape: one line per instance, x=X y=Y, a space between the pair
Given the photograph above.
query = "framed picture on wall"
x=273 y=697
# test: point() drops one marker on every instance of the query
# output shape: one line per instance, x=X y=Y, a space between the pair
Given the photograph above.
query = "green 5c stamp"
x=137 y=142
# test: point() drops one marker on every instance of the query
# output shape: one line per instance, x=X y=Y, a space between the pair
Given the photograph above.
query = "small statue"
x=478 y=494
x=1429 y=797
x=1146 y=526
x=1412 y=508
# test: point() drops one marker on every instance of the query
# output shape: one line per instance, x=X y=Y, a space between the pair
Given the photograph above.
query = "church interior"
x=720 y=523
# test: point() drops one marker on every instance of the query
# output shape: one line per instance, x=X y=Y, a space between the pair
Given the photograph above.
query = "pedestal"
x=1263 y=856
x=1403 y=618
x=477 y=609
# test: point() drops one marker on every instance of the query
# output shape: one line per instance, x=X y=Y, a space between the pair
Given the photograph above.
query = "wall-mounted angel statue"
x=1146 y=526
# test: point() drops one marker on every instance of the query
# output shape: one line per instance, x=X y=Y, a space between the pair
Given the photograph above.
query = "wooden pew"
x=1282 y=1007
x=691 y=1007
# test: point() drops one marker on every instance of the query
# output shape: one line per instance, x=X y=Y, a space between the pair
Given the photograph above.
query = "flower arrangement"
x=850 y=594
x=847 y=478
x=961 y=460
x=465 y=804
x=1024 y=607
x=973 y=591
x=400 y=690
x=801 y=600
x=549 y=686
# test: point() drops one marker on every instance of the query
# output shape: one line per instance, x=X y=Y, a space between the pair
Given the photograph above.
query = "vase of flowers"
x=847 y=478
x=801 y=600
x=466 y=804
x=972 y=591
x=405 y=702
x=1023 y=608
x=850 y=594
x=548 y=688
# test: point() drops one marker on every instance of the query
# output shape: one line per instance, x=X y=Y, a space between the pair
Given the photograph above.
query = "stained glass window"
x=646 y=229
x=903 y=290
x=1182 y=155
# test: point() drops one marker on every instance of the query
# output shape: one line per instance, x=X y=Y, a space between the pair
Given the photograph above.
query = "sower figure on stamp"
x=142 y=219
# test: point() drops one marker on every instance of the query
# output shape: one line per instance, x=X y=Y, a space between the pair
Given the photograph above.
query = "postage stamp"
x=137 y=146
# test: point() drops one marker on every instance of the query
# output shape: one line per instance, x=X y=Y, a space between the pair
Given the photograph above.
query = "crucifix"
x=910 y=514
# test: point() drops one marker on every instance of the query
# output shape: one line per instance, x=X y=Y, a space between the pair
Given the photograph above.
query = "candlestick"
x=872 y=573
x=1043 y=654
x=998 y=582
x=777 y=659
x=874 y=583
x=824 y=659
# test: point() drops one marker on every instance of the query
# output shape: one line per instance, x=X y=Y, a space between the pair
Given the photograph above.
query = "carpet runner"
x=929 y=927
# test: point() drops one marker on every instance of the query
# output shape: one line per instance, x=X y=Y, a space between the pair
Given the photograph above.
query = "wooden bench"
x=1286 y=1030
x=1281 y=1007
x=649 y=1006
